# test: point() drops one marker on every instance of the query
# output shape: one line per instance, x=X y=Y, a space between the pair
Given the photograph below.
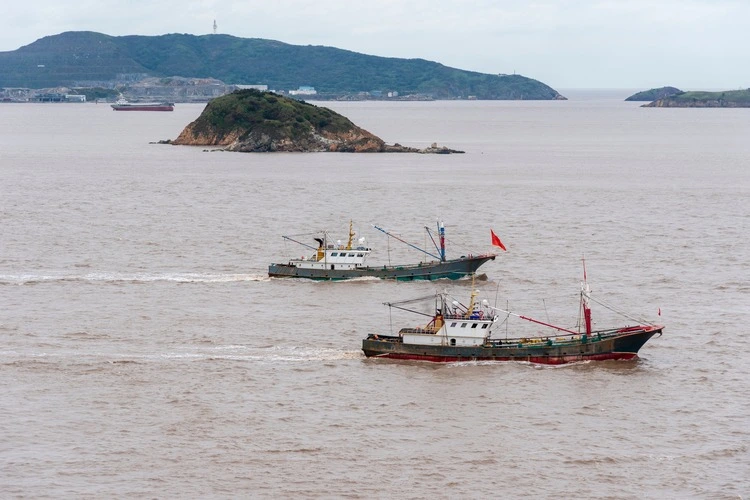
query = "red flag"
x=496 y=241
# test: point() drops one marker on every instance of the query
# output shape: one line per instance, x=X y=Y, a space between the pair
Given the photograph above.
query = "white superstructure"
x=455 y=325
x=338 y=256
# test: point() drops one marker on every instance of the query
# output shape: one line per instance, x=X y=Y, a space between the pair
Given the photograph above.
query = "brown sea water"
x=145 y=353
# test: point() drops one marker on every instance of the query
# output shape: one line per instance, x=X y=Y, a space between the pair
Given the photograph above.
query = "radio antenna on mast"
x=214 y=26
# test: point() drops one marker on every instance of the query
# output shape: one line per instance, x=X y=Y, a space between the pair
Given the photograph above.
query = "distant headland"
x=654 y=94
x=700 y=99
x=255 y=121
x=152 y=67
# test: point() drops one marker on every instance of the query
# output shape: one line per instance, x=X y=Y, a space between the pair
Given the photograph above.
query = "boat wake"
x=270 y=355
x=33 y=279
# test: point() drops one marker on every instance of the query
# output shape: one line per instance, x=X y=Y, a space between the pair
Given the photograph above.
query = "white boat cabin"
x=334 y=257
x=454 y=326
x=339 y=256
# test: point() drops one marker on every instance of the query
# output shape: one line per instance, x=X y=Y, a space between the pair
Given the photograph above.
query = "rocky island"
x=256 y=121
x=654 y=94
x=700 y=99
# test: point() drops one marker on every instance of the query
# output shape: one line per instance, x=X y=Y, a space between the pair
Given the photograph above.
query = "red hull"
x=542 y=360
x=603 y=345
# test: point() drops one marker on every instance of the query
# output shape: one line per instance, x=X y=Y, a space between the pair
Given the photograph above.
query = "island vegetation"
x=89 y=59
x=255 y=121
x=654 y=94
x=702 y=99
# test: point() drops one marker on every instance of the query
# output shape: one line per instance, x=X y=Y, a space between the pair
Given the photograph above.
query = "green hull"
x=450 y=269
x=620 y=344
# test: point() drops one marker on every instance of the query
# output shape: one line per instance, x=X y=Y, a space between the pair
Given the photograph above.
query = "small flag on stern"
x=496 y=241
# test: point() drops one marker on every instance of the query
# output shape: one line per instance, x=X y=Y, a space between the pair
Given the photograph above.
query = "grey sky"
x=691 y=44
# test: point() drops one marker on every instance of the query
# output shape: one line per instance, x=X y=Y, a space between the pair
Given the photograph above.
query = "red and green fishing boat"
x=458 y=332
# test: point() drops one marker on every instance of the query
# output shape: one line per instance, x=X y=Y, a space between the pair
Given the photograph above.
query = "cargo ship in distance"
x=123 y=105
x=347 y=261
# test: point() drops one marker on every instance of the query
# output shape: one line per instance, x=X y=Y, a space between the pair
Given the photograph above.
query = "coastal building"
x=262 y=88
x=303 y=90
x=50 y=97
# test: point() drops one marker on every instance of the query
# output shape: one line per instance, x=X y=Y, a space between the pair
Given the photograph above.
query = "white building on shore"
x=303 y=90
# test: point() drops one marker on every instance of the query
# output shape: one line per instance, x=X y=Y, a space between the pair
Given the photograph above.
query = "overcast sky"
x=631 y=44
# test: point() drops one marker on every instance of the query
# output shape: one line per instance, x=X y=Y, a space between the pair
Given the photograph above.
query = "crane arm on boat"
x=409 y=310
x=559 y=328
x=299 y=242
x=441 y=234
x=406 y=242
x=399 y=304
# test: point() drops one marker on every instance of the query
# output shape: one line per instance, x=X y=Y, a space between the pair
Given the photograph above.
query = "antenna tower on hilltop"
x=214 y=26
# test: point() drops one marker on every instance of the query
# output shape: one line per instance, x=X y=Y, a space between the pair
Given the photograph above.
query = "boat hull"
x=145 y=107
x=621 y=345
x=451 y=269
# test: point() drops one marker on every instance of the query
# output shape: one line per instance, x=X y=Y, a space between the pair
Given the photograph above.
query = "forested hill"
x=85 y=58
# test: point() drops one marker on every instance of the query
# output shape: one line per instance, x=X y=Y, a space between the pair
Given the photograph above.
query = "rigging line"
x=454 y=299
x=410 y=301
x=388 y=243
x=406 y=242
x=299 y=242
x=618 y=311
x=409 y=310
x=559 y=328
x=507 y=317
x=429 y=233
x=306 y=234
x=390 y=318
x=507 y=323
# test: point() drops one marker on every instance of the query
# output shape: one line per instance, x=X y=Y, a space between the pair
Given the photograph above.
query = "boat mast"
x=441 y=232
x=351 y=236
x=585 y=295
x=472 y=299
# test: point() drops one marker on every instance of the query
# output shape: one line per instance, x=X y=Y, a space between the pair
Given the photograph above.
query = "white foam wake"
x=34 y=278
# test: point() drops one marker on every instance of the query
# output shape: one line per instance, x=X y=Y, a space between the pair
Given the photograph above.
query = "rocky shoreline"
x=252 y=121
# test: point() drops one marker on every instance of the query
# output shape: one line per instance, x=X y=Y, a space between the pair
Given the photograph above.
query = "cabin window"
x=485 y=326
x=463 y=325
x=333 y=267
x=334 y=254
x=351 y=255
x=474 y=325
x=453 y=341
x=453 y=325
x=360 y=255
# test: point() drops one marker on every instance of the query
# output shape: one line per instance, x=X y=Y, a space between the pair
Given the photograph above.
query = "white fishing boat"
x=338 y=261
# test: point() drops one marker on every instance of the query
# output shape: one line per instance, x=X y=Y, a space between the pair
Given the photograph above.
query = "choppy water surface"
x=146 y=354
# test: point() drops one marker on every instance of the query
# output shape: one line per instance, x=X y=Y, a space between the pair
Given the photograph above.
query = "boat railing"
x=425 y=331
x=583 y=338
x=474 y=315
